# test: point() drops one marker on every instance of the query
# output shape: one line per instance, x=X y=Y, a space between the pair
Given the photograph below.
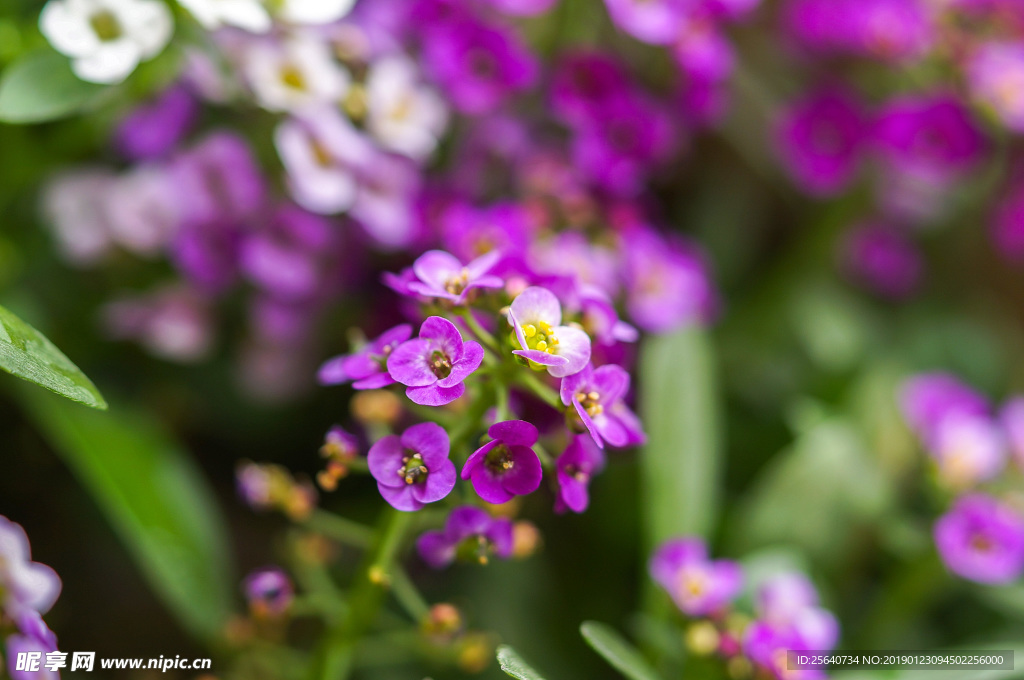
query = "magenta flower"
x=433 y=366
x=593 y=392
x=536 y=317
x=580 y=461
x=883 y=260
x=470 y=232
x=891 y=30
x=478 y=65
x=1008 y=223
x=522 y=7
x=584 y=83
x=367 y=368
x=982 y=539
x=469 y=534
x=1011 y=417
x=658 y=22
x=968 y=449
x=602 y=322
x=697 y=585
x=33 y=636
x=218 y=180
x=667 y=282
x=996 y=77
x=268 y=591
x=155 y=128
x=820 y=141
x=414 y=469
x=506 y=466
x=928 y=399
x=24 y=584
x=442 y=275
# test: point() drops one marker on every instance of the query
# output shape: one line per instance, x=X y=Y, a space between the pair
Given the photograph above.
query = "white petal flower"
x=402 y=113
x=249 y=15
x=296 y=74
x=314 y=12
x=76 y=207
x=106 y=39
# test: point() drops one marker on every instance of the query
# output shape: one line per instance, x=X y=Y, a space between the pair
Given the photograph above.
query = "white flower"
x=403 y=114
x=314 y=11
x=75 y=206
x=295 y=74
x=322 y=154
x=106 y=39
x=249 y=15
x=142 y=210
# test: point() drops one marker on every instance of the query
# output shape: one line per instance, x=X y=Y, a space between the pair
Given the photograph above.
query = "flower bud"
x=376 y=407
x=526 y=539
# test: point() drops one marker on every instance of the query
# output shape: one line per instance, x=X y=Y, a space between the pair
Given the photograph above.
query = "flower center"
x=540 y=336
x=577 y=473
x=692 y=583
x=591 y=402
x=476 y=548
x=440 y=364
x=456 y=283
x=499 y=460
x=981 y=543
x=292 y=77
x=413 y=470
x=106 y=26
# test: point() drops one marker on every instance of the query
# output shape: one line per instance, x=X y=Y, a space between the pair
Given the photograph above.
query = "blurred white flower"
x=314 y=11
x=322 y=154
x=385 y=200
x=172 y=322
x=75 y=206
x=142 y=210
x=402 y=113
x=249 y=15
x=295 y=74
x=106 y=39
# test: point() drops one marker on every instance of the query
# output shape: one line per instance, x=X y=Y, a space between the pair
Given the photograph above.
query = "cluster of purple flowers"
x=27 y=591
x=787 y=614
x=976 y=451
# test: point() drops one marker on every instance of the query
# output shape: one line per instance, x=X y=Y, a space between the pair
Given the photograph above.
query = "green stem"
x=407 y=595
x=529 y=380
x=484 y=336
x=340 y=529
x=334 y=659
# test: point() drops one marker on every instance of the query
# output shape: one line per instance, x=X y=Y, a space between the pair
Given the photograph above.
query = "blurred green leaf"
x=512 y=664
x=155 y=498
x=623 y=656
x=679 y=404
x=27 y=354
x=40 y=86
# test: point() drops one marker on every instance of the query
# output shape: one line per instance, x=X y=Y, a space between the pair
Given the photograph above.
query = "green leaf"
x=623 y=656
x=679 y=407
x=26 y=353
x=40 y=86
x=155 y=498
x=512 y=664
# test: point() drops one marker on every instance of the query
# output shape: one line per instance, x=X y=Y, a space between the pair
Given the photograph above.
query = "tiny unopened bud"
x=300 y=501
x=475 y=652
x=376 y=407
x=378 y=576
x=526 y=539
x=443 y=621
x=702 y=638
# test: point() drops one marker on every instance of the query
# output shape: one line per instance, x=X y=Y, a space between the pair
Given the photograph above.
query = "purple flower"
x=667 y=283
x=469 y=534
x=1008 y=223
x=593 y=393
x=367 y=368
x=172 y=322
x=892 y=30
x=697 y=585
x=1011 y=417
x=442 y=275
x=580 y=461
x=268 y=591
x=477 y=65
x=218 y=180
x=601 y=321
x=768 y=647
x=930 y=138
x=24 y=584
x=928 y=399
x=522 y=7
x=414 y=469
x=470 y=232
x=882 y=260
x=996 y=76
x=433 y=366
x=820 y=140
x=982 y=539
x=653 y=21
x=506 y=466
x=154 y=129
x=968 y=449
x=27 y=643
x=536 y=317
x=584 y=83
x=790 y=601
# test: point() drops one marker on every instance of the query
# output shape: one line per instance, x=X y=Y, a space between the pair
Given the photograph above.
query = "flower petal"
x=525 y=475
x=537 y=304
x=440 y=482
x=434 y=395
x=409 y=363
x=430 y=440
x=385 y=460
x=444 y=336
x=574 y=346
x=435 y=268
x=472 y=357
x=542 y=358
x=514 y=432
x=400 y=498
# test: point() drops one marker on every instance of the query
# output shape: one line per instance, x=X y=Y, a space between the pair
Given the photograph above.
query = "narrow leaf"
x=155 y=498
x=26 y=353
x=512 y=664
x=40 y=86
x=623 y=656
x=679 y=405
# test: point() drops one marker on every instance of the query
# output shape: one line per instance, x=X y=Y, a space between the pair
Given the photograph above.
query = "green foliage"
x=623 y=656
x=512 y=664
x=40 y=86
x=26 y=353
x=154 y=497
x=679 y=405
